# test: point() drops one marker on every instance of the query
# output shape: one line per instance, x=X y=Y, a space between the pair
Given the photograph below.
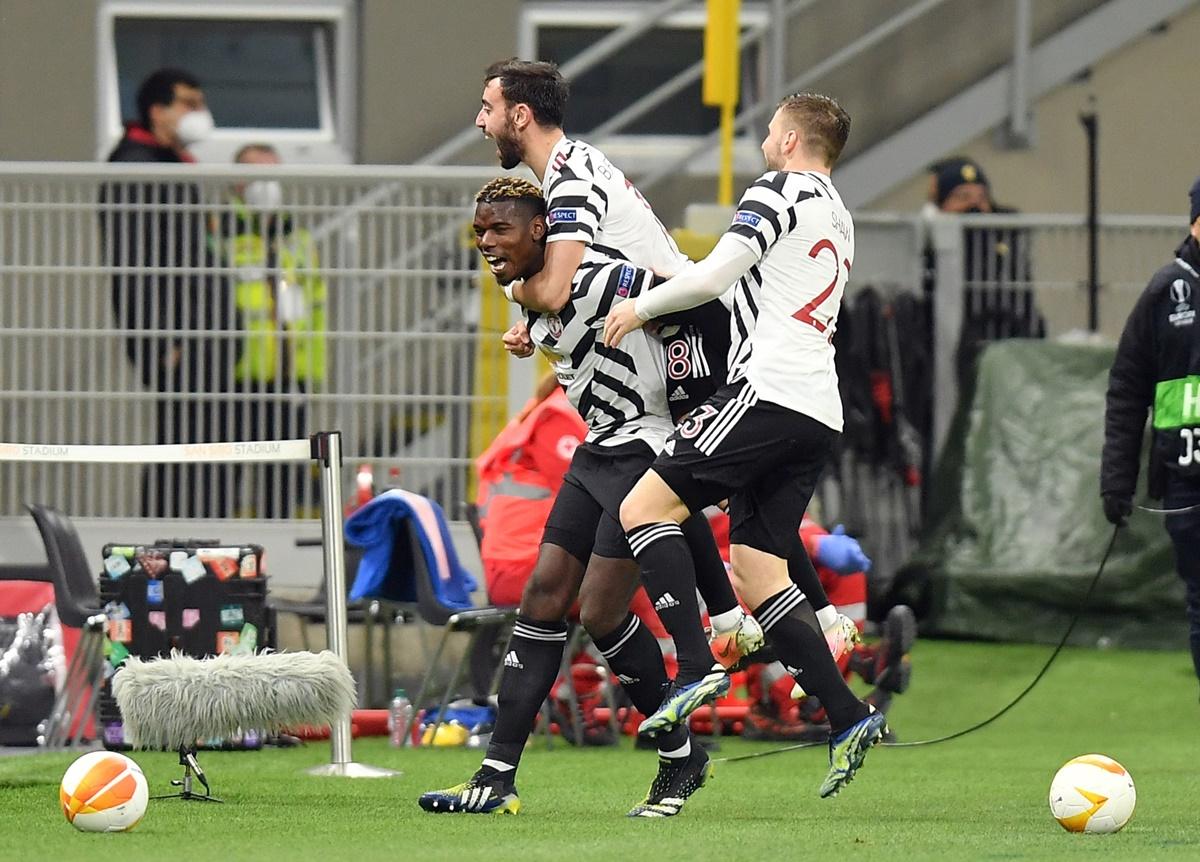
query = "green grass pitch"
x=981 y=797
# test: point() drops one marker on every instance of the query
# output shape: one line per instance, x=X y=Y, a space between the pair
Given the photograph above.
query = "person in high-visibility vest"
x=281 y=299
x=519 y=475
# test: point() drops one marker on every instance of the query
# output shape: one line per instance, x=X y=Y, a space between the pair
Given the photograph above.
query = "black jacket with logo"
x=167 y=295
x=1157 y=366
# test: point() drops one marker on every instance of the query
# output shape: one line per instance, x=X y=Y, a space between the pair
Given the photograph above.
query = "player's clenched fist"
x=516 y=340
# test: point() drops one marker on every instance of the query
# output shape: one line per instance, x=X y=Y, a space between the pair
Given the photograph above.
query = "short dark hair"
x=159 y=89
x=822 y=122
x=535 y=83
x=515 y=190
x=254 y=148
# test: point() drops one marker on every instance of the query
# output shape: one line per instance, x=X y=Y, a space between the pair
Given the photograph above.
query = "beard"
x=774 y=160
x=509 y=148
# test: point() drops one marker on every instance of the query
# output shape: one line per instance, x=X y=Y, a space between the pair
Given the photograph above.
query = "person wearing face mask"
x=281 y=299
x=177 y=314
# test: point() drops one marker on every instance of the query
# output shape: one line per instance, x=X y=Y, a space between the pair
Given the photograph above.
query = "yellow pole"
x=720 y=85
x=725 y=179
x=490 y=407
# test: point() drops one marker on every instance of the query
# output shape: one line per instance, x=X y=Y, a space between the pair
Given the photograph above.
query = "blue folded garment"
x=383 y=527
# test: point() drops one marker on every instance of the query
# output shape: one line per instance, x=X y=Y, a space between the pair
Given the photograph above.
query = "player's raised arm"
x=575 y=207
x=696 y=285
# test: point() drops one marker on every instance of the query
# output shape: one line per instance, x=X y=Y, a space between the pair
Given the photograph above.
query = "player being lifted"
x=591 y=205
x=763 y=439
x=621 y=394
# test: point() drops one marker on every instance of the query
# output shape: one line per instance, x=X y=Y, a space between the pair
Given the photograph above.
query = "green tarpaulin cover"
x=1015 y=531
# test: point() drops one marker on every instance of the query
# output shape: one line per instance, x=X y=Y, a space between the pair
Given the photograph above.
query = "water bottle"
x=400 y=712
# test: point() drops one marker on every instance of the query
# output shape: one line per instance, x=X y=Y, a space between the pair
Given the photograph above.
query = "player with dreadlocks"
x=621 y=395
x=592 y=207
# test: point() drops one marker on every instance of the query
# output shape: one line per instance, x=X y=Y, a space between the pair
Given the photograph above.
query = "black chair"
x=369 y=614
x=472 y=513
x=77 y=601
x=76 y=592
x=408 y=558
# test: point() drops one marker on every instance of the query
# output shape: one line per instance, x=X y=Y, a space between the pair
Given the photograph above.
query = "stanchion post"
x=327 y=451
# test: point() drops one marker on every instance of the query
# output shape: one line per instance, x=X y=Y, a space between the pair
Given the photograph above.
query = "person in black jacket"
x=174 y=313
x=1157 y=369
x=998 y=298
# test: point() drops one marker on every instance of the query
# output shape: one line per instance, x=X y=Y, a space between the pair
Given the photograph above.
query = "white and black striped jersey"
x=589 y=200
x=619 y=391
x=785 y=308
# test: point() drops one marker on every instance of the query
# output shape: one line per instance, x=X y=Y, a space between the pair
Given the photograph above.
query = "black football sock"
x=670 y=578
x=804 y=575
x=712 y=578
x=790 y=626
x=634 y=656
x=531 y=662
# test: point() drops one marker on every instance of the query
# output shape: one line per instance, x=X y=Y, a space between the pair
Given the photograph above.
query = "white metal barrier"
x=323 y=449
x=970 y=280
x=128 y=313
x=1007 y=275
x=106 y=335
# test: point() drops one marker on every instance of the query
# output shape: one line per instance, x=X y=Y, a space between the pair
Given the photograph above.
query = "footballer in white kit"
x=591 y=207
x=588 y=199
x=762 y=440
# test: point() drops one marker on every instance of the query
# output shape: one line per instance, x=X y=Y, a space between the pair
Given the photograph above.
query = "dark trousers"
x=1184 y=531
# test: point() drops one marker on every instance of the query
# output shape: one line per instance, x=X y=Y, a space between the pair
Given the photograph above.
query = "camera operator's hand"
x=1117 y=509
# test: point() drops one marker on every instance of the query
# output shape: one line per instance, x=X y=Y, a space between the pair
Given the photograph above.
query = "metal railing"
x=586 y=60
x=770 y=39
x=760 y=111
x=1009 y=275
x=129 y=314
x=97 y=346
x=957 y=283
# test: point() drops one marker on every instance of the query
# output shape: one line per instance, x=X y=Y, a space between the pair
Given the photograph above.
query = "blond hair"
x=509 y=189
x=823 y=124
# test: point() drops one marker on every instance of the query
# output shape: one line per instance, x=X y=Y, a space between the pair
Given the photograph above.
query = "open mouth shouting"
x=498 y=265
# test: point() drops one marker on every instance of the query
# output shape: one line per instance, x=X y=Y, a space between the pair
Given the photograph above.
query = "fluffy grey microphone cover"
x=171 y=702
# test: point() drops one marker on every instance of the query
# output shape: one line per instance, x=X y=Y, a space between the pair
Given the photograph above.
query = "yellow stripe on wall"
x=490 y=386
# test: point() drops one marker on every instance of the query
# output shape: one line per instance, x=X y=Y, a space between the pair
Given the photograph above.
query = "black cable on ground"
x=1041 y=673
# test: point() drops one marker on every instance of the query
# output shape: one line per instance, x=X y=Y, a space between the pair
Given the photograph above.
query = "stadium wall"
x=47 y=80
x=1147 y=150
x=418 y=82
